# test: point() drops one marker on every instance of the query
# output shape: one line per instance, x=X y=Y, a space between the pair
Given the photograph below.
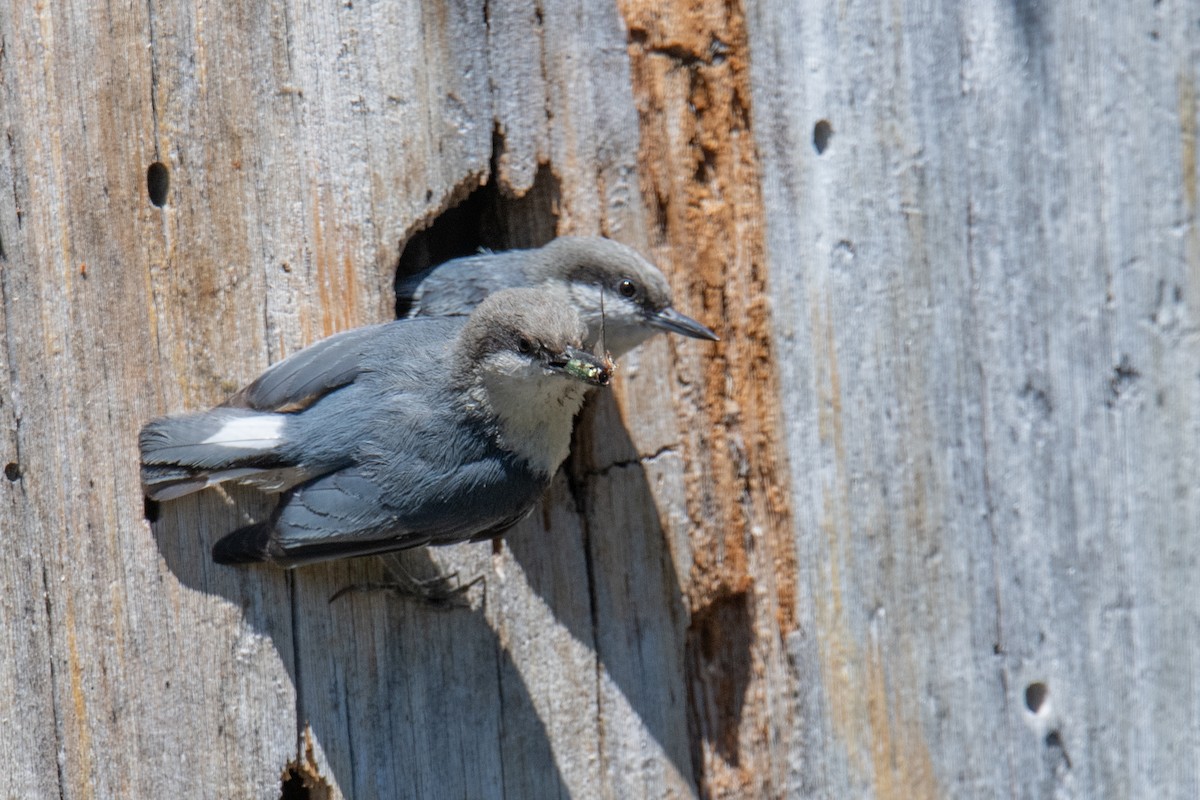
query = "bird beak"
x=583 y=366
x=672 y=321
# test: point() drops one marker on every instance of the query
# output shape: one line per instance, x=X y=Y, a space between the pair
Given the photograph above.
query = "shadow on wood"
x=638 y=624
x=419 y=688
x=412 y=685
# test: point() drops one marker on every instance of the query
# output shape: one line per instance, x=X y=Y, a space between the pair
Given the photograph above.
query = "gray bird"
x=636 y=297
x=414 y=432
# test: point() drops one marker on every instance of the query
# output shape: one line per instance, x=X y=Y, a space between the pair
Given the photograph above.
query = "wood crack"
x=13 y=161
x=153 y=75
x=59 y=742
x=646 y=459
x=14 y=394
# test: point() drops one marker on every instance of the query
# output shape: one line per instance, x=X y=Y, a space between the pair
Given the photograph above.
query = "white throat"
x=534 y=414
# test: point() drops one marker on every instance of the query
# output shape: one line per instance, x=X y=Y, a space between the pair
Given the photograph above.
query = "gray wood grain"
x=986 y=294
x=947 y=450
x=303 y=147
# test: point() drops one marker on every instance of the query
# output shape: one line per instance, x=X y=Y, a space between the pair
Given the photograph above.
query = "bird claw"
x=435 y=592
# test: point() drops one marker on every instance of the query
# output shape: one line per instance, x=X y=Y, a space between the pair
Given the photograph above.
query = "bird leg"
x=436 y=589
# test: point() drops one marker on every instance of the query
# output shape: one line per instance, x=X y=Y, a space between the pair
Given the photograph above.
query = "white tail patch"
x=260 y=432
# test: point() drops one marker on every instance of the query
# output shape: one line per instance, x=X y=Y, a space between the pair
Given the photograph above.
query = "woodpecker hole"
x=158 y=181
x=822 y=133
x=1035 y=696
x=488 y=217
x=12 y=471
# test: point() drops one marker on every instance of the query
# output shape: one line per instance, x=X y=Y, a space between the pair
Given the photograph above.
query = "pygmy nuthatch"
x=414 y=432
x=581 y=269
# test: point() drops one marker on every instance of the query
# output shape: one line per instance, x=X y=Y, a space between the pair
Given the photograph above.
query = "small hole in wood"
x=1035 y=696
x=12 y=471
x=822 y=133
x=844 y=251
x=1054 y=741
x=158 y=181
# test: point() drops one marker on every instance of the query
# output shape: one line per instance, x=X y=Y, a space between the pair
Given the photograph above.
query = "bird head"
x=527 y=373
x=531 y=335
x=613 y=289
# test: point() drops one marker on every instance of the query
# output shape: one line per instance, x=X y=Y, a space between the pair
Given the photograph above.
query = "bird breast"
x=533 y=415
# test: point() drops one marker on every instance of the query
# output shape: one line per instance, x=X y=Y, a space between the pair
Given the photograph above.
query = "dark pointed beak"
x=583 y=366
x=672 y=321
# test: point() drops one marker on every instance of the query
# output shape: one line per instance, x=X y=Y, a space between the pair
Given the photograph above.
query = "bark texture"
x=921 y=524
x=985 y=274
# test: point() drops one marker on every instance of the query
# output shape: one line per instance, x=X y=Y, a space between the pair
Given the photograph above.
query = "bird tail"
x=184 y=454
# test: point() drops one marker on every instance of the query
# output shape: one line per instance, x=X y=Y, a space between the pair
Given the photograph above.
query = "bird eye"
x=524 y=346
x=627 y=288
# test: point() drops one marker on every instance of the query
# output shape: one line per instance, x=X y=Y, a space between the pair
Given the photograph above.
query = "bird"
x=614 y=289
x=415 y=432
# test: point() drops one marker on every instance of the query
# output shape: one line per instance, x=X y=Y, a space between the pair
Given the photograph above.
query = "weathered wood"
x=946 y=451
x=736 y=563
x=986 y=292
x=302 y=147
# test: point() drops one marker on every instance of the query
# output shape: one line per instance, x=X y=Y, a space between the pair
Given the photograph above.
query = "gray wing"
x=357 y=511
x=305 y=377
x=456 y=287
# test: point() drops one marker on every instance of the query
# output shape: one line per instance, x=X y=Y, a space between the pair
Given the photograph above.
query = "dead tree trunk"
x=922 y=524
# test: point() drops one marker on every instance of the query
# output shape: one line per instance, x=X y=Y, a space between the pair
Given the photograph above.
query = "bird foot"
x=440 y=591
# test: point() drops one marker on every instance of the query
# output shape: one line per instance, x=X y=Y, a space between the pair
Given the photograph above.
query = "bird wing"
x=366 y=509
x=456 y=287
x=300 y=380
x=305 y=377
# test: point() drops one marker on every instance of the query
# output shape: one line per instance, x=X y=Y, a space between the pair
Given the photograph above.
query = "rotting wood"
x=701 y=176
